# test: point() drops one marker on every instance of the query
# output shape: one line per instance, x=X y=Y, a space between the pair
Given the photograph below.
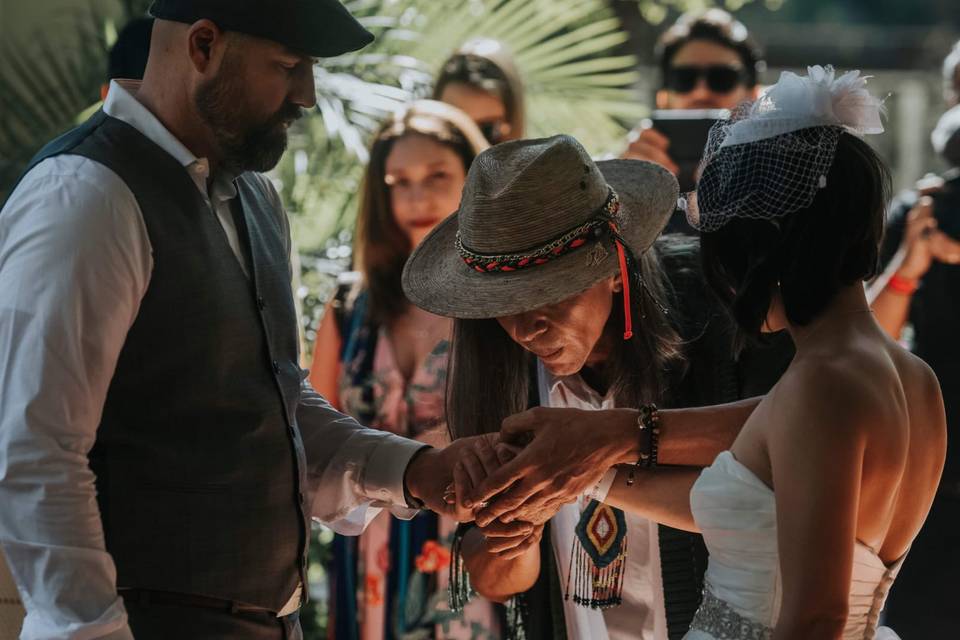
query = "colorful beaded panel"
x=564 y=244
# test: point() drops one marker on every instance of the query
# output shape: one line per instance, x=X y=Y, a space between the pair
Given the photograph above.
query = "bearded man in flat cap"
x=160 y=452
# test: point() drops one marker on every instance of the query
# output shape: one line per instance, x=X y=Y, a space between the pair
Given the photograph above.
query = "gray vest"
x=199 y=464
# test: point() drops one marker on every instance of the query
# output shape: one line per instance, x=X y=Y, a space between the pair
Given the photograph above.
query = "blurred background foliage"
x=587 y=66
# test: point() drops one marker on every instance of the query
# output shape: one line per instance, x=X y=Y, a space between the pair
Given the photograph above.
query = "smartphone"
x=687 y=131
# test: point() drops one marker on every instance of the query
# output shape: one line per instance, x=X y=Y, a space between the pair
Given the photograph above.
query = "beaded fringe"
x=516 y=618
x=595 y=587
x=460 y=591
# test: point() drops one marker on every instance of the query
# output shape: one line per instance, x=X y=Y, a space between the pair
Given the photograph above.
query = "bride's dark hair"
x=812 y=253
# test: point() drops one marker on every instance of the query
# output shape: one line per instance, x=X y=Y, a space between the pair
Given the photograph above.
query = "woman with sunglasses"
x=381 y=360
x=481 y=79
x=707 y=61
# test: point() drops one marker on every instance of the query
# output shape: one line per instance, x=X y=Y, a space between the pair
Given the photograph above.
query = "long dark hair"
x=380 y=247
x=490 y=374
x=486 y=65
x=811 y=253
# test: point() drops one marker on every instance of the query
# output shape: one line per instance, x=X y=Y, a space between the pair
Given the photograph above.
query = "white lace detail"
x=773 y=155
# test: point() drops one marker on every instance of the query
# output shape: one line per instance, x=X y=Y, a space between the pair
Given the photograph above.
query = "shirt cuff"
x=385 y=471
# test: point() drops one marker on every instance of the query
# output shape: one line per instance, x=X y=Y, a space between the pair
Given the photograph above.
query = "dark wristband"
x=648 y=426
x=413 y=503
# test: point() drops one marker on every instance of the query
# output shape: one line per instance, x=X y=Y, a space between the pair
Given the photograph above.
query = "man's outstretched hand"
x=432 y=472
x=566 y=452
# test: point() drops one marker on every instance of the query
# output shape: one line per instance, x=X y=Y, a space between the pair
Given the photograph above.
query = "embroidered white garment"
x=736 y=513
x=641 y=616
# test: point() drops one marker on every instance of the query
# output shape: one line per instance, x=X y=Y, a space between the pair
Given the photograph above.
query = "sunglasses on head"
x=720 y=78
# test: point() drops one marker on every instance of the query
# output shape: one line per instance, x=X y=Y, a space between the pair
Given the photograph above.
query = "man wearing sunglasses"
x=707 y=61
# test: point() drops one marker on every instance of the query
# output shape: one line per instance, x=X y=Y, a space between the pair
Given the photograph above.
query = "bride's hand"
x=569 y=450
x=483 y=457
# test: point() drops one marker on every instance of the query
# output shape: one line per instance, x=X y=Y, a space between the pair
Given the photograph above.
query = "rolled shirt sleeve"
x=353 y=472
x=74 y=266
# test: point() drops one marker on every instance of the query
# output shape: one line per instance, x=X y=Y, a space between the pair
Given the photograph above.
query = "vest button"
x=276 y=367
x=260 y=303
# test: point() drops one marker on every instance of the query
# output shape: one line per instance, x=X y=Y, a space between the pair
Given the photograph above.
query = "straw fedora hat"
x=534 y=228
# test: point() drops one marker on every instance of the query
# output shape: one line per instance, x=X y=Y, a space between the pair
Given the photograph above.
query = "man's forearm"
x=493 y=577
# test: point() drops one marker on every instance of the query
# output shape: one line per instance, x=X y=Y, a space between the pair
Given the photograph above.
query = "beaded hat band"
x=606 y=220
x=537 y=203
x=562 y=245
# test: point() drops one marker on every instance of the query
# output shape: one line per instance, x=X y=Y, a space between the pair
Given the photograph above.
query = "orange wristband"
x=901 y=285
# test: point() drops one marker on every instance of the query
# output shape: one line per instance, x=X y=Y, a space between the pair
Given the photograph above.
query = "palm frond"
x=562 y=49
x=44 y=84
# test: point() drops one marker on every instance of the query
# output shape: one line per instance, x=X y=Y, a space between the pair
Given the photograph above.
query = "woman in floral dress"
x=384 y=361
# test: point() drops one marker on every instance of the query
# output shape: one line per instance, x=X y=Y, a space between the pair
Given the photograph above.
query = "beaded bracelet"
x=648 y=424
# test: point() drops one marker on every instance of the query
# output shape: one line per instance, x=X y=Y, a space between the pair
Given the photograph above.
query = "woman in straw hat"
x=809 y=514
x=562 y=297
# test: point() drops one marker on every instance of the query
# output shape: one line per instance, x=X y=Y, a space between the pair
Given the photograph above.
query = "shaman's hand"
x=569 y=450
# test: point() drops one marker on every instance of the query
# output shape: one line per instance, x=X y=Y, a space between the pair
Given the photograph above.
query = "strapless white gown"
x=737 y=514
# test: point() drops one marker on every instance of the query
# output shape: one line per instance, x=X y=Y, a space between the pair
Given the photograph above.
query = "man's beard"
x=244 y=145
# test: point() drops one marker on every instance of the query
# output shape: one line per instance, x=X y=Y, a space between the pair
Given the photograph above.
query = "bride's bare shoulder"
x=863 y=389
x=850 y=390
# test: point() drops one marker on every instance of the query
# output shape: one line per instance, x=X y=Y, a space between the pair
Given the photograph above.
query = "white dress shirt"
x=75 y=262
x=641 y=616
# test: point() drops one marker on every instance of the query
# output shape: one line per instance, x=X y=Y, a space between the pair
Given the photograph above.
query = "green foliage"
x=563 y=51
x=656 y=11
x=38 y=101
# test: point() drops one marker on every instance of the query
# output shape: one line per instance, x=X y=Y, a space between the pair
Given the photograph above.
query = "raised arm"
x=569 y=451
x=921 y=244
x=891 y=293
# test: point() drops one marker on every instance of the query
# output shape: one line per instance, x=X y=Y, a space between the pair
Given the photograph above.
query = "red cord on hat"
x=625 y=277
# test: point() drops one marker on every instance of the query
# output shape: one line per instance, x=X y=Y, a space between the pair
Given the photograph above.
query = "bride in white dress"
x=810 y=513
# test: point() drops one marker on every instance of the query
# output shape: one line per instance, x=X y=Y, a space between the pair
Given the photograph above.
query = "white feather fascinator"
x=773 y=155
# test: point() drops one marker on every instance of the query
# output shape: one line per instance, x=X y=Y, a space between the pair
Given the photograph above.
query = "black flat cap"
x=318 y=28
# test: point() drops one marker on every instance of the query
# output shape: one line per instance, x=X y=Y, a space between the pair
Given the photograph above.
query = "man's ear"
x=755 y=92
x=616 y=284
x=203 y=40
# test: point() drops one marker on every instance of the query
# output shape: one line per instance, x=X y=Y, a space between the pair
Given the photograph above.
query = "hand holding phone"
x=646 y=143
x=675 y=138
